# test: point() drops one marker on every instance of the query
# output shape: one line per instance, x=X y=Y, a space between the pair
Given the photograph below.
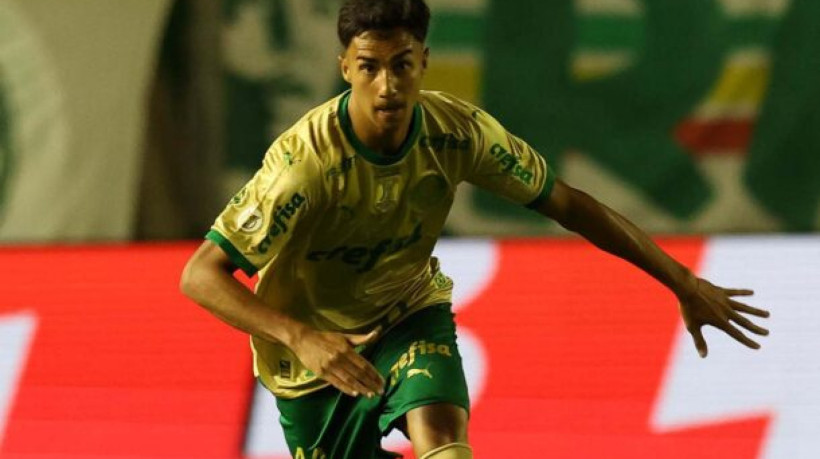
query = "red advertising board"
x=101 y=356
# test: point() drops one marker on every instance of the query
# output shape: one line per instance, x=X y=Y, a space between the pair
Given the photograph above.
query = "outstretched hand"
x=332 y=357
x=708 y=304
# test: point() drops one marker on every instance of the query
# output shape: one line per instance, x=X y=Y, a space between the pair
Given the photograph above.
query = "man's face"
x=384 y=69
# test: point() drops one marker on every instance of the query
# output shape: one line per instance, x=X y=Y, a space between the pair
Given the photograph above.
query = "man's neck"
x=384 y=143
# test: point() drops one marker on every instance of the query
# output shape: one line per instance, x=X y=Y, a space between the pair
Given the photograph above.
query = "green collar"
x=368 y=154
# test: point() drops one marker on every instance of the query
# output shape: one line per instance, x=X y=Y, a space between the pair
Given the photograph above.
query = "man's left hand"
x=708 y=304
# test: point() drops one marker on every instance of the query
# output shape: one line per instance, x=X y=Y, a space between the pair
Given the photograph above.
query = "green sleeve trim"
x=237 y=258
x=549 y=182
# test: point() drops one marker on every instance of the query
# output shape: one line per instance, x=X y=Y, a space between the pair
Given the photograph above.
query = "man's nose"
x=387 y=84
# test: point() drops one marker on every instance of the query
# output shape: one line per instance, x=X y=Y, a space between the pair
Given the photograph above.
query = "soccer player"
x=350 y=323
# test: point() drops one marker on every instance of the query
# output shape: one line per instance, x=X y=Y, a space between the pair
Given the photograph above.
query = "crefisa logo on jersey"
x=365 y=258
x=281 y=217
x=509 y=164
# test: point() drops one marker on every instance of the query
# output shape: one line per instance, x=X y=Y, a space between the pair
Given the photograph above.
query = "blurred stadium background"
x=126 y=126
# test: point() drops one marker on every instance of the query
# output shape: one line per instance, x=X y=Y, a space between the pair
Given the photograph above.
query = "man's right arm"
x=208 y=280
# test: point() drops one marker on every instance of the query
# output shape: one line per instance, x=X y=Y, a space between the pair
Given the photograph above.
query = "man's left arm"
x=701 y=302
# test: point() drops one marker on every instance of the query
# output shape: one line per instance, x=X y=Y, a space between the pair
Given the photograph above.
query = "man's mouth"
x=390 y=108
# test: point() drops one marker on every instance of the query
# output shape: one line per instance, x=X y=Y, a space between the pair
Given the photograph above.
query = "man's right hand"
x=332 y=357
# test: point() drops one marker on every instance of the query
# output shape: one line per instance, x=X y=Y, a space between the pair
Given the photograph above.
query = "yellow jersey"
x=342 y=236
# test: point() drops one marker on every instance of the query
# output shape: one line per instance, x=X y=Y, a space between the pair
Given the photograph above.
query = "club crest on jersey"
x=387 y=193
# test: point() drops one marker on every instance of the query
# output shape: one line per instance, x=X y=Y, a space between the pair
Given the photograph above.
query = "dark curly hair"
x=359 y=16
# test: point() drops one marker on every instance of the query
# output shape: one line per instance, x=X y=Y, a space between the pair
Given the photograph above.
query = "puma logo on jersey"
x=419 y=371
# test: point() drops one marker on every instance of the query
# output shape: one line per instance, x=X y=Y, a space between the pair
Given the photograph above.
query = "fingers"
x=350 y=372
x=366 y=374
x=748 y=324
x=364 y=371
x=738 y=335
x=363 y=340
x=738 y=291
x=344 y=384
x=738 y=306
x=354 y=378
x=700 y=343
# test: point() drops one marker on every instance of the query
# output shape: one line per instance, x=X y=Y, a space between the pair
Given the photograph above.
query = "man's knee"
x=438 y=427
x=450 y=451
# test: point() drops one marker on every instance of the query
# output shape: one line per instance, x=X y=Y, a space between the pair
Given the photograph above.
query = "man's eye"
x=368 y=68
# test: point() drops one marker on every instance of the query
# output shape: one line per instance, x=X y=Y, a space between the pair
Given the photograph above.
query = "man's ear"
x=344 y=68
x=424 y=57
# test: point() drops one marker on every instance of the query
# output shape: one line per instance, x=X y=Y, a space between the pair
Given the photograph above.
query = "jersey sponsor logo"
x=409 y=357
x=509 y=164
x=366 y=257
x=281 y=217
x=446 y=141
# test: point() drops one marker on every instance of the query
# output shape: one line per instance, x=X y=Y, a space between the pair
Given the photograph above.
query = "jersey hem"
x=388 y=422
x=282 y=395
x=237 y=258
x=316 y=384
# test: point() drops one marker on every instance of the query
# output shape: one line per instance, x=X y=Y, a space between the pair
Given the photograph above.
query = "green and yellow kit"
x=342 y=236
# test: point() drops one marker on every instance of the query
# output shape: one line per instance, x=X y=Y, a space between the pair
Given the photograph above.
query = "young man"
x=351 y=327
